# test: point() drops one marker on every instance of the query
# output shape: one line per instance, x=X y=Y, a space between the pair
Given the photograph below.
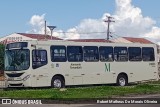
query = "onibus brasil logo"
x=18 y=101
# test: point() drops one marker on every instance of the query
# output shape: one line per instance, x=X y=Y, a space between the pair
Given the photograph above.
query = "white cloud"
x=92 y=26
x=129 y=22
x=37 y=22
x=73 y=35
x=154 y=34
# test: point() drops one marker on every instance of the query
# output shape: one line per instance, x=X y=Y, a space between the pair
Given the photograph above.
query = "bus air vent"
x=14 y=75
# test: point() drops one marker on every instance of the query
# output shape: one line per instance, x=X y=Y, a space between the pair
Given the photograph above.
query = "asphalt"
x=157 y=96
x=86 y=105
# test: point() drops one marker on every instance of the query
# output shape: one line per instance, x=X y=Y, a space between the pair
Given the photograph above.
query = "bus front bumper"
x=16 y=84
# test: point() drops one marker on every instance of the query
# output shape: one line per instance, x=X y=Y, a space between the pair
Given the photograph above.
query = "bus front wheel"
x=122 y=80
x=57 y=82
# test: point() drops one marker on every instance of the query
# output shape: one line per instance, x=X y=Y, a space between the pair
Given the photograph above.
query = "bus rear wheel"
x=57 y=82
x=122 y=80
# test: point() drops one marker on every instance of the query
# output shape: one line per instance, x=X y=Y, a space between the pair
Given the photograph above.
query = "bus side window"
x=75 y=53
x=39 y=58
x=106 y=53
x=91 y=53
x=148 y=54
x=135 y=54
x=58 y=53
x=120 y=54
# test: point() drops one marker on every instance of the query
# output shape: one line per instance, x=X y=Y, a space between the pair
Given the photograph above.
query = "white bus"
x=64 y=63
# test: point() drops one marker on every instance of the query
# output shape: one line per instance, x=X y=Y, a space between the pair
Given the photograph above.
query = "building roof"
x=5 y=40
x=39 y=36
x=90 y=40
x=138 y=40
x=43 y=37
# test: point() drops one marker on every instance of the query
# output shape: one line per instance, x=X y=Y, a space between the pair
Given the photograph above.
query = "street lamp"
x=51 y=29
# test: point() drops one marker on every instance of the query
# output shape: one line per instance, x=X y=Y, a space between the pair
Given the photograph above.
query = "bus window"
x=39 y=58
x=91 y=53
x=134 y=54
x=74 y=53
x=120 y=54
x=17 y=59
x=148 y=54
x=106 y=53
x=58 y=54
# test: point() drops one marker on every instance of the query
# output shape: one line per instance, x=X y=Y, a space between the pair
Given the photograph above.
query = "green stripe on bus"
x=107 y=67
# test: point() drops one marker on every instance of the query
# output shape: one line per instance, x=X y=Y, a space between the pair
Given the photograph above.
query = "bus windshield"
x=17 y=59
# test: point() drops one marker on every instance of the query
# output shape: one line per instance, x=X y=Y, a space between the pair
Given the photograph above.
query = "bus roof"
x=65 y=42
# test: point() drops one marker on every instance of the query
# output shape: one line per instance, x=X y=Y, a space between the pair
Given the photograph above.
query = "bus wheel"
x=122 y=80
x=57 y=82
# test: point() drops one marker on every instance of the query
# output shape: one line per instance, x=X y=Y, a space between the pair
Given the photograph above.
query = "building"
x=26 y=37
x=132 y=40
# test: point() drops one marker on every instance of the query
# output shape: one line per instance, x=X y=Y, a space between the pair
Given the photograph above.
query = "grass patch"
x=82 y=92
x=154 y=82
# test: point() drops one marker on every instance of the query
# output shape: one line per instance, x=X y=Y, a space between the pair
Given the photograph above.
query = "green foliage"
x=2 y=57
x=83 y=92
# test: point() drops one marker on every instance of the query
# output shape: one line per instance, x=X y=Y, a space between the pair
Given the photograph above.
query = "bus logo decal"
x=57 y=65
x=75 y=66
x=107 y=67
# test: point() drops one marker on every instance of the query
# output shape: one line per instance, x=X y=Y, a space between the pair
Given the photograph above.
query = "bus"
x=65 y=63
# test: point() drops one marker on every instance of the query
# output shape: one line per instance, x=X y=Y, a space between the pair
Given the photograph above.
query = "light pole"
x=51 y=29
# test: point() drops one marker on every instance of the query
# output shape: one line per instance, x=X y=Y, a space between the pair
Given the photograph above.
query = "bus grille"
x=14 y=75
x=16 y=84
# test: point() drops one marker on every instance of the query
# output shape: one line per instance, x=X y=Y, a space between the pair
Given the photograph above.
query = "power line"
x=82 y=32
x=116 y=37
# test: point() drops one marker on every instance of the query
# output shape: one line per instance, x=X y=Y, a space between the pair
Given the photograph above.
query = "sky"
x=84 y=19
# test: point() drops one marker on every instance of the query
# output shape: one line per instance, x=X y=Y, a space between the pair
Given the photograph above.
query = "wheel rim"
x=122 y=82
x=57 y=83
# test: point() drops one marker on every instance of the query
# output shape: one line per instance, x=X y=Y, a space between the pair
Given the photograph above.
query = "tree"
x=1 y=57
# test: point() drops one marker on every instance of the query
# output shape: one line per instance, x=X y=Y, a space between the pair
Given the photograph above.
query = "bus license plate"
x=10 y=79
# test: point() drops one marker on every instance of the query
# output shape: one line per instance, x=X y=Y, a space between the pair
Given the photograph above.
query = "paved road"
x=123 y=105
x=82 y=105
x=45 y=105
x=95 y=105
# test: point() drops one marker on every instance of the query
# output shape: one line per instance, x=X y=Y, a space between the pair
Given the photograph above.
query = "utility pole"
x=108 y=21
x=45 y=30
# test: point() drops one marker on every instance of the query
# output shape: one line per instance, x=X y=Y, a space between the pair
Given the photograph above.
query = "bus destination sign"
x=16 y=45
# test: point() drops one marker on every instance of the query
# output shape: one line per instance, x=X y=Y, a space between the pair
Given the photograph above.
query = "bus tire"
x=122 y=80
x=57 y=82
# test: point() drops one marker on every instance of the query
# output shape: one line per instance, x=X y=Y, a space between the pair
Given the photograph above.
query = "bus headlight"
x=26 y=77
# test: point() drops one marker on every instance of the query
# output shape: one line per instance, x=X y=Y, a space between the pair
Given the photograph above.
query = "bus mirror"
x=33 y=46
